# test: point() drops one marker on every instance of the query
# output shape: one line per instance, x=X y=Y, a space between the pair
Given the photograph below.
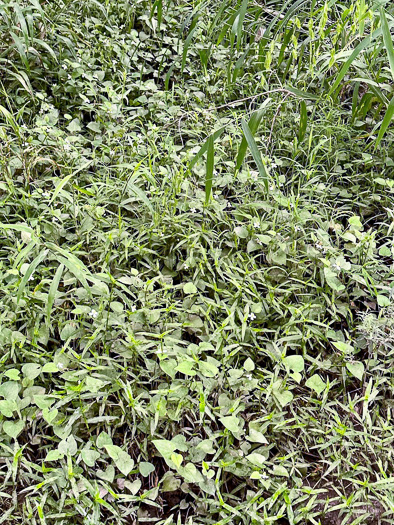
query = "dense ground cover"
x=196 y=262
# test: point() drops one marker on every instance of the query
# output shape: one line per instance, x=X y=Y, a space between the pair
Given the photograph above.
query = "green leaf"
x=146 y=468
x=209 y=169
x=383 y=301
x=280 y=471
x=137 y=192
x=232 y=423
x=253 y=124
x=65 y=180
x=256 y=436
x=208 y=369
x=93 y=384
x=165 y=447
x=94 y=126
x=31 y=370
x=316 y=383
x=52 y=292
x=13 y=428
x=204 y=147
x=186 y=367
x=9 y=390
x=108 y=474
x=176 y=459
x=346 y=348
x=29 y=272
x=387 y=39
x=241 y=232
x=257 y=459
x=186 y=45
x=356 y=369
x=50 y=368
x=122 y=460
x=295 y=363
x=89 y=457
x=74 y=126
x=388 y=117
x=333 y=281
x=284 y=398
x=355 y=222
x=8 y=407
x=12 y=374
x=103 y=440
x=49 y=415
x=54 y=455
x=361 y=46
x=189 y=288
x=255 y=153
x=303 y=121
x=249 y=365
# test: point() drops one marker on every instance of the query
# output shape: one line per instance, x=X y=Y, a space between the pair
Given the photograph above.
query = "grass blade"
x=303 y=121
x=204 y=147
x=253 y=124
x=255 y=152
x=387 y=40
x=52 y=292
x=64 y=181
x=29 y=272
x=137 y=192
x=361 y=46
x=386 y=122
x=209 y=169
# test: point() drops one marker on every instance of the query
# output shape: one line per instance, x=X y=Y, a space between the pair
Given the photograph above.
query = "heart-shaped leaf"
x=13 y=428
x=356 y=369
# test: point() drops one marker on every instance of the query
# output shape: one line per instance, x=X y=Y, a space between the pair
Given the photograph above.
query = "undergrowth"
x=196 y=262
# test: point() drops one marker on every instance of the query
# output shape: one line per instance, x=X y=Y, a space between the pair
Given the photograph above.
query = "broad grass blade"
x=29 y=272
x=64 y=181
x=387 y=40
x=361 y=46
x=386 y=122
x=303 y=121
x=52 y=292
x=204 y=147
x=255 y=152
x=253 y=124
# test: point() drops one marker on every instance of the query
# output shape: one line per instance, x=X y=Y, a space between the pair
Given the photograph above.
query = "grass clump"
x=196 y=262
